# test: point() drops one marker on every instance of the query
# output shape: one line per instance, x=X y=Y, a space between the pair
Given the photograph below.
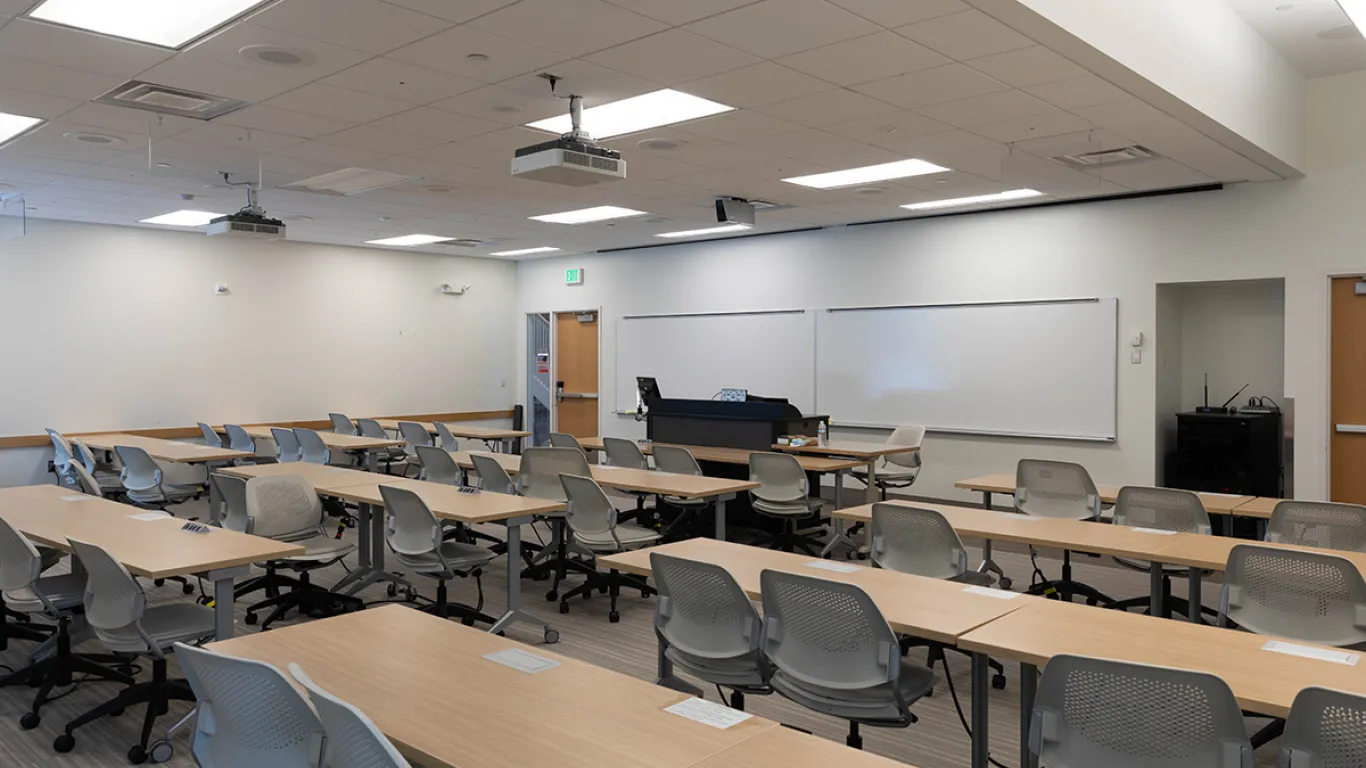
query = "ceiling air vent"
x=1108 y=157
x=136 y=94
x=461 y=242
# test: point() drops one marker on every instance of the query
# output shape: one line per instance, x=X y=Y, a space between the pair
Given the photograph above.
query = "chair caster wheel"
x=64 y=743
x=251 y=619
x=29 y=721
x=137 y=755
x=159 y=582
x=467 y=621
x=161 y=751
x=998 y=682
x=552 y=596
x=203 y=600
x=564 y=607
x=614 y=617
x=391 y=590
x=586 y=595
x=187 y=589
x=552 y=637
x=645 y=593
x=602 y=590
x=1005 y=582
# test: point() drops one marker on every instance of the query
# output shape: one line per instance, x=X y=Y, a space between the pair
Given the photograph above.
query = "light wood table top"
x=1263 y=681
x=460 y=430
x=155 y=549
x=1211 y=552
x=1215 y=503
x=166 y=450
x=930 y=608
x=642 y=480
x=446 y=501
x=575 y=715
x=330 y=439
x=1260 y=507
x=322 y=477
x=735 y=455
x=855 y=448
x=786 y=748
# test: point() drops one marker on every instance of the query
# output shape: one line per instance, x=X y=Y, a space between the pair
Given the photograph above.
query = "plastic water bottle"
x=821 y=435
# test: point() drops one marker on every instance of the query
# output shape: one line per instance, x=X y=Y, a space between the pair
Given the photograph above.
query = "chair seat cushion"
x=166 y=625
x=676 y=501
x=876 y=704
x=321 y=549
x=64 y=592
x=457 y=556
x=629 y=535
x=889 y=473
x=800 y=508
x=742 y=671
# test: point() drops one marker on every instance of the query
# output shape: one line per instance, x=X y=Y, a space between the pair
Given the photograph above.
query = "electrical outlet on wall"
x=1136 y=356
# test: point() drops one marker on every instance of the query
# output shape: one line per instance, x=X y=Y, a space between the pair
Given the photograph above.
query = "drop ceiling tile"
x=485 y=150
x=451 y=11
x=1037 y=126
x=739 y=125
x=572 y=27
x=52 y=80
x=337 y=155
x=873 y=57
x=1027 y=66
x=753 y=86
x=891 y=127
x=958 y=150
x=825 y=148
x=1154 y=174
x=195 y=73
x=30 y=178
x=393 y=79
x=504 y=105
x=437 y=123
x=990 y=108
x=319 y=58
x=827 y=107
x=675 y=12
x=284 y=121
x=1078 y=143
x=382 y=140
x=695 y=150
x=647 y=167
x=21 y=162
x=48 y=141
x=353 y=107
x=774 y=28
x=1072 y=93
x=365 y=25
x=672 y=57
x=31 y=104
x=598 y=85
x=224 y=135
x=449 y=52
x=965 y=35
x=206 y=154
x=932 y=86
x=74 y=48
x=896 y=13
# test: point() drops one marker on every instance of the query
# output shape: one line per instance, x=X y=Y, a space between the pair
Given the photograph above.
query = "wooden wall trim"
x=169 y=433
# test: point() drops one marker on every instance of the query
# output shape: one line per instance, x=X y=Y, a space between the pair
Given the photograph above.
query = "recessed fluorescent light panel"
x=588 y=215
x=168 y=23
x=408 y=241
x=13 y=125
x=638 y=113
x=183 y=219
x=1012 y=194
x=351 y=181
x=900 y=169
x=707 y=231
x=526 y=251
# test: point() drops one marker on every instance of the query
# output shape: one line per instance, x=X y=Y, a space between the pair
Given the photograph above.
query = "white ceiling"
x=1293 y=28
x=820 y=85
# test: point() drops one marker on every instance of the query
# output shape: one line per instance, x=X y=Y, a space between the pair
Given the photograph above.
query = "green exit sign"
x=573 y=276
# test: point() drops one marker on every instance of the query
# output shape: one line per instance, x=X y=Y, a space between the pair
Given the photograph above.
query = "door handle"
x=578 y=395
x=1356 y=429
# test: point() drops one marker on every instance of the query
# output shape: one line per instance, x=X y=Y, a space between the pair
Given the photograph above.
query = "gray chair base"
x=303 y=595
x=467 y=614
x=58 y=668
x=1066 y=588
x=156 y=694
x=609 y=583
x=789 y=540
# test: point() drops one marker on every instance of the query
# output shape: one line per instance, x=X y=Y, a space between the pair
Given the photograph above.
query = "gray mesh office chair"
x=625 y=453
x=109 y=483
x=834 y=653
x=1309 y=596
x=1091 y=712
x=897 y=470
x=116 y=608
x=1163 y=509
x=783 y=494
x=1318 y=524
x=239 y=440
x=414 y=434
x=287 y=508
x=680 y=461
x=392 y=457
x=707 y=627
x=438 y=466
x=492 y=476
x=143 y=481
x=312 y=449
x=233 y=491
x=593 y=522
x=341 y=424
x=61 y=458
x=448 y=441
x=538 y=476
x=414 y=536
x=564 y=440
x=249 y=714
x=57 y=598
x=286 y=445
x=1063 y=490
x=353 y=740
x=211 y=438
x=1324 y=730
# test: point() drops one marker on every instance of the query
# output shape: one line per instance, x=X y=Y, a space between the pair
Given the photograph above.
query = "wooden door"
x=1347 y=362
x=576 y=373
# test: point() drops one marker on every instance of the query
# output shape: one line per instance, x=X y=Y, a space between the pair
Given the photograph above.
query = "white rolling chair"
x=1062 y=490
x=61 y=458
x=538 y=476
x=143 y=481
x=312 y=449
x=1162 y=509
x=414 y=435
x=593 y=522
x=1324 y=730
x=565 y=440
x=239 y=440
x=680 y=461
x=341 y=424
x=448 y=441
x=108 y=481
x=1321 y=524
x=625 y=453
x=784 y=494
x=211 y=438
x=392 y=457
x=896 y=470
x=438 y=466
x=414 y=536
x=353 y=740
x=287 y=448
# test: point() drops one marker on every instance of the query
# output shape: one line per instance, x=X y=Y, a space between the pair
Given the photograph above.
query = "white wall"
x=1166 y=357
x=114 y=327
x=1235 y=332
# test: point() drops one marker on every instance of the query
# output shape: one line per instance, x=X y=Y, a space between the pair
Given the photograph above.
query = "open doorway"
x=562 y=374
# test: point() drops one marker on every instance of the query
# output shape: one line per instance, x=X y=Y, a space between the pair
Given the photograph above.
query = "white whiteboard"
x=1043 y=369
x=772 y=354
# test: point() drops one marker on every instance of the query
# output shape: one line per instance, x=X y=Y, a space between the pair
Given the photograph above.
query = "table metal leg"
x=1194 y=593
x=980 y=714
x=872 y=494
x=841 y=527
x=989 y=565
x=222 y=600
x=372 y=461
x=1156 y=603
x=514 y=612
x=1029 y=683
x=215 y=501
x=721 y=515
x=363 y=551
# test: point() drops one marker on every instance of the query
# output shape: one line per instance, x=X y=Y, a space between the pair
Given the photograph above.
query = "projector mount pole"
x=577 y=133
x=252 y=189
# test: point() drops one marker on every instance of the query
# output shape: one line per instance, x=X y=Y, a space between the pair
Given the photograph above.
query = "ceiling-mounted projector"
x=251 y=221
x=573 y=159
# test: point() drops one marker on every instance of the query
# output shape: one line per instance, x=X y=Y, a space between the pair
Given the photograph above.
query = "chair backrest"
x=1164 y=509
x=353 y=740
x=113 y=598
x=589 y=511
x=910 y=434
x=20 y=563
x=779 y=475
x=341 y=424
x=1324 y=730
x=448 y=440
x=283 y=507
x=702 y=613
x=492 y=476
x=83 y=454
x=680 y=461
x=564 y=440
x=826 y=633
x=61 y=449
x=1092 y=712
x=312 y=449
x=249 y=713
x=539 y=473
x=437 y=465
x=211 y=437
x=1310 y=596
x=624 y=453
x=1318 y=524
x=86 y=481
x=916 y=540
x=413 y=529
x=286 y=444
x=141 y=476
x=415 y=434
x=238 y=439
x=1055 y=489
x=371 y=428
x=233 y=491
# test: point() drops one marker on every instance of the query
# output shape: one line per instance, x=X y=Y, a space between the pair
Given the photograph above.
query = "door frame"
x=555 y=360
x=1326 y=364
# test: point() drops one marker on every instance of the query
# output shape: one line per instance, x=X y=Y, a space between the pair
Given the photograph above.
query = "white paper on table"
x=148 y=516
x=1310 y=652
x=1157 y=531
x=828 y=565
x=1222 y=495
x=708 y=713
x=1021 y=517
x=77 y=497
x=999 y=594
x=522 y=661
